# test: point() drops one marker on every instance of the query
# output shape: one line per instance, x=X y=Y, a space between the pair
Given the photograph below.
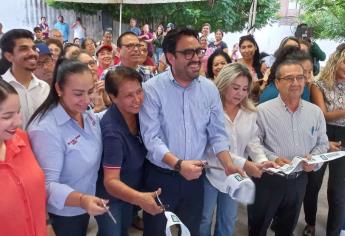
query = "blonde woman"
x=234 y=83
x=328 y=93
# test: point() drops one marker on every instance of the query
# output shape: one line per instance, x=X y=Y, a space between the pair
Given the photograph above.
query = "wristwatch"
x=177 y=166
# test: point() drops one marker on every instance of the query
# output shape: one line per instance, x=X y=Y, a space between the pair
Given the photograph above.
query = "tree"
x=228 y=15
x=327 y=17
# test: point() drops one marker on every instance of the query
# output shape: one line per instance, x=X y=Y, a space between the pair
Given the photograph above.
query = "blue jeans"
x=157 y=54
x=123 y=213
x=226 y=212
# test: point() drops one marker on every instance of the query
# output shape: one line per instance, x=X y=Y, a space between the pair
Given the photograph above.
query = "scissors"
x=109 y=213
x=160 y=202
x=207 y=166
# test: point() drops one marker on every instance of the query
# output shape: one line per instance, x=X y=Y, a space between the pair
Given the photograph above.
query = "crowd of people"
x=157 y=121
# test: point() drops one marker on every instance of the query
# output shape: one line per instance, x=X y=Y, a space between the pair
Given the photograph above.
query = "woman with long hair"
x=215 y=63
x=66 y=138
x=234 y=83
x=328 y=93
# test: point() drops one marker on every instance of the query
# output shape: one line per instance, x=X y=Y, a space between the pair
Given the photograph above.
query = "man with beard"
x=128 y=48
x=18 y=48
x=182 y=114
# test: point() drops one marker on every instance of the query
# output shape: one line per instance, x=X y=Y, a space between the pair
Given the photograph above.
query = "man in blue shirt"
x=133 y=27
x=182 y=114
x=63 y=27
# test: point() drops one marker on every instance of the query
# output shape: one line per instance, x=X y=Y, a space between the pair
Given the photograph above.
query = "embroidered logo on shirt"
x=74 y=140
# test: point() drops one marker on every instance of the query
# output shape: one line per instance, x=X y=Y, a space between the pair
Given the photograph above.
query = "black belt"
x=293 y=175
x=163 y=170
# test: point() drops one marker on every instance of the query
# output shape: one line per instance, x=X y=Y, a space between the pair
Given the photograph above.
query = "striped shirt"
x=288 y=134
x=181 y=120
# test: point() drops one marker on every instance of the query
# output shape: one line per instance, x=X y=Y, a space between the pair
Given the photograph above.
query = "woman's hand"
x=148 y=203
x=93 y=205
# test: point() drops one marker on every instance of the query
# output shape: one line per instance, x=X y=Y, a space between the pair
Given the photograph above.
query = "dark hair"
x=83 y=44
x=43 y=17
x=284 y=41
x=67 y=46
x=7 y=42
x=173 y=36
x=119 y=40
x=219 y=30
x=209 y=72
x=56 y=42
x=286 y=62
x=121 y=73
x=63 y=69
x=287 y=53
x=256 y=60
x=37 y=29
x=5 y=90
x=78 y=19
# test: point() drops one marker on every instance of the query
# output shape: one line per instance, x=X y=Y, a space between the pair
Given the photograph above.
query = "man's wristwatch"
x=177 y=166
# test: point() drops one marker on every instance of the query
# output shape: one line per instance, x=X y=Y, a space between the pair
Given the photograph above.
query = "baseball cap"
x=170 y=25
x=240 y=188
x=108 y=47
x=42 y=49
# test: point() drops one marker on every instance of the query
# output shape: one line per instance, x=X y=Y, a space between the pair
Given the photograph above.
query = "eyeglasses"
x=189 y=53
x=131 y=46
x=291 y=79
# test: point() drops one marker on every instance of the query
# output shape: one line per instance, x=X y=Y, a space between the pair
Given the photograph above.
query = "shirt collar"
x=16 y=143
x=281 y=102
x=60 y=115
x=9 y=77
x=172 y=79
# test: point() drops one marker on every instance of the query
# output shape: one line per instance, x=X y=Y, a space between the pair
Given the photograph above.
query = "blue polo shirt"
x=121 y=150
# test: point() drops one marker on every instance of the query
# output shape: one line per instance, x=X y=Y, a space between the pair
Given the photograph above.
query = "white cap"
x=241 y=189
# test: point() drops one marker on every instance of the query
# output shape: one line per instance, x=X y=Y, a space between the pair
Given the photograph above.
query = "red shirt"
x=23 y=196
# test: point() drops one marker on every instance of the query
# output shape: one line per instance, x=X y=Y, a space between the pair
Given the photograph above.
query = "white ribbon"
x=296 y=163
x=172 y=219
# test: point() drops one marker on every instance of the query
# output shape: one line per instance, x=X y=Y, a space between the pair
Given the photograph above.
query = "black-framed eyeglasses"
x=131 y=46
x=291 y=79
x=189 y=53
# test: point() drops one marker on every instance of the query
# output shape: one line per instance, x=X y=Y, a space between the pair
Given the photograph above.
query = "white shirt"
x=243 y=140
x=30 y=98
x=79 y=32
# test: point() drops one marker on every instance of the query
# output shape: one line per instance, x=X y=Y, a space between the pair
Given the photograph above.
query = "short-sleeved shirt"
x=334 y=98
x=222 y=45
x=23 y=196
x=121 y=150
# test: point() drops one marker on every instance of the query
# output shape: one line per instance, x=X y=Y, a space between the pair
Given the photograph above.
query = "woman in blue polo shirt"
x=66 y=138
x=120 y=179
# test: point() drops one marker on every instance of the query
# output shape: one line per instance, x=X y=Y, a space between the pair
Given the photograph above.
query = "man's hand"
x=147 y=202
x=268 y=164
x=252 y=169
x=334 y=146
x=191 y=169
x=282 y=161
x=308 y=167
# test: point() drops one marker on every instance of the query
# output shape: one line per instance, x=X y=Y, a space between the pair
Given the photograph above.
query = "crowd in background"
x=94 y=125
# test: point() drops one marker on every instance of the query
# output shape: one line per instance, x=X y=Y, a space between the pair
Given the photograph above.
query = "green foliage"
x=228 y=15
x=327 y=17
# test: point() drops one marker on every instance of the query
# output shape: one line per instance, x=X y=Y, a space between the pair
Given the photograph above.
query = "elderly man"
x=45 y=64
x=181 y=115
x=288 y=127
x=18 y=48
x=129 y=51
